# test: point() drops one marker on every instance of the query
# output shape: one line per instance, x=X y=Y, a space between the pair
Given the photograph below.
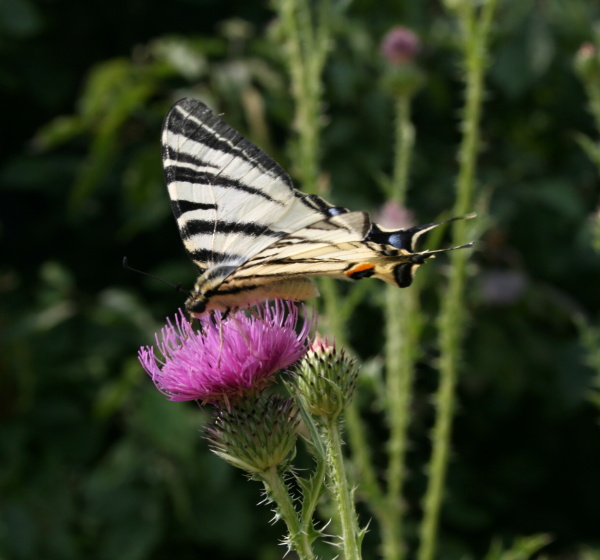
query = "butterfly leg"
x=191 y=323
x=226 y=314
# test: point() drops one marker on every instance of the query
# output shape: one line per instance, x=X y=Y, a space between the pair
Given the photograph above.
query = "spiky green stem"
x=340 y=489
x=405 y=139
x=475 y=33
x=401 y=320
x=307 y=43
x=277 y=490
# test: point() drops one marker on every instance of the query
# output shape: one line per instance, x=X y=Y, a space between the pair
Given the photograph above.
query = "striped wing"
x=252 y=235
x=337 y=247
x=229 y=198
x=283 y=270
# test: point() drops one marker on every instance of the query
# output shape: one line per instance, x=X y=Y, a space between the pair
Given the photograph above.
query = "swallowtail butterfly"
x=252 y=235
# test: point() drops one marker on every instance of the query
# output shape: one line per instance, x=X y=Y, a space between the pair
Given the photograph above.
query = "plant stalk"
x=476 y=33
x=277 y=490
x=340 y=490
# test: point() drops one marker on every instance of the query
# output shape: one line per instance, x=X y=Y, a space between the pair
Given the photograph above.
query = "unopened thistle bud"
x=399 y=48
x=326 y=380
x=400 y=45
x=256 y=435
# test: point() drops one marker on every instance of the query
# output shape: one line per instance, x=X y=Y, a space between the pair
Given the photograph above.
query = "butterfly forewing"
x=230 y=199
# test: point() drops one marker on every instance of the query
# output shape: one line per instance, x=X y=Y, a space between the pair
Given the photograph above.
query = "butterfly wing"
x=337 y=247
x=251 y=234
x=229 y=198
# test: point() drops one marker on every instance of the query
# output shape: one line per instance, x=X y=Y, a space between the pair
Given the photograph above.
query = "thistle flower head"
x=255 y=434
x=400 y=45
x=226 y=358
x=402 y=76
x=326 y=379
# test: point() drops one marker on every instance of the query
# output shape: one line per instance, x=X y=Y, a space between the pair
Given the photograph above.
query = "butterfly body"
x=252 y=235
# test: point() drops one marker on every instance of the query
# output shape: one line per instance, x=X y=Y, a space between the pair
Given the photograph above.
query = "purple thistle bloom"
x=400 y=45
x=226 y=358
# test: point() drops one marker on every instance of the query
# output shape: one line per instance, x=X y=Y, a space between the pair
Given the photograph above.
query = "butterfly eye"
x=197 y=307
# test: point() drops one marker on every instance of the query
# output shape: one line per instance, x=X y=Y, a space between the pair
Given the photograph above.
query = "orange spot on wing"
x=359 y=268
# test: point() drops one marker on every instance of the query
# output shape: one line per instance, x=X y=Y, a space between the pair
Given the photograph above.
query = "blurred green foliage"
x=94 y=462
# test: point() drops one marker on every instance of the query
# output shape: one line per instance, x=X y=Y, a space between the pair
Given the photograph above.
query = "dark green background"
x=94 y=463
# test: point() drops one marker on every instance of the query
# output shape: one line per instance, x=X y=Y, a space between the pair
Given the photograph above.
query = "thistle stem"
x=277 y=490
x=476 y=33
x=341 y=491
x=405 y=139
x=307 y=44
x=402 y=333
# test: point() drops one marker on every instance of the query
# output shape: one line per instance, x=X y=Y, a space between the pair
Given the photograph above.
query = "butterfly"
x=252 y=235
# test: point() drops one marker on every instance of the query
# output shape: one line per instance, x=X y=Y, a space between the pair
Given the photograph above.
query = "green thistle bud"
x=402 y=77
x=405 y=80
x=256 y=435
x=326 y=380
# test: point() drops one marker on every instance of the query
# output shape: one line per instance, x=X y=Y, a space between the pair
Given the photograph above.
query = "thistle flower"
x=225 y=358
x=402 y=76
x=400 y=45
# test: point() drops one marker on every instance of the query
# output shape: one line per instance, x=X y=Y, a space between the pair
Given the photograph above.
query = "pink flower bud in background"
x=400 y=45
x=393 y=215
x=402 y=76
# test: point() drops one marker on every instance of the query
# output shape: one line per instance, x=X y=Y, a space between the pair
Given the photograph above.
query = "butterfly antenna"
x=177 y=287
x=427 y=253
x=467 y=245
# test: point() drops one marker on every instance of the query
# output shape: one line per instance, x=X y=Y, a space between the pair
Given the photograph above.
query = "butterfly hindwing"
x=337 y=247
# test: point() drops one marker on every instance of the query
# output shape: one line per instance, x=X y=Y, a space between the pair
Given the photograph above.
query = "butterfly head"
x=202 y=297
x=404 y=240
x=195 y=306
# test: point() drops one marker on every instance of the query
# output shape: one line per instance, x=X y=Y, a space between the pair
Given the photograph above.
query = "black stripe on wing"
x=190 y=159
x=199 y=227
x=174 y=173
x=321 y=205
x=205 y=257
x=180 y=207
x=208 y=129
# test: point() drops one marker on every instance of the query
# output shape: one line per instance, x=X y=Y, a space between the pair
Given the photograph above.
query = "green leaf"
x=57 y=132
x=523 y=548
